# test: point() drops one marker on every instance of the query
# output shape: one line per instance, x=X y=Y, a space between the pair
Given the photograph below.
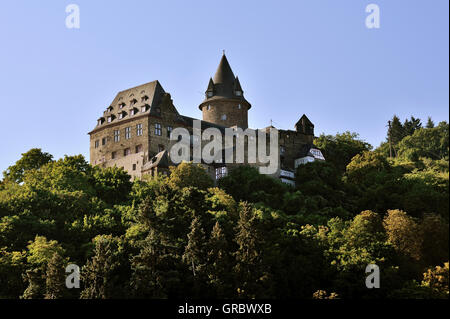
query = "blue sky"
x=292 y=57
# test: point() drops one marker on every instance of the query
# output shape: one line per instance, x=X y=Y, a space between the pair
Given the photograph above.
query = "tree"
x=367 y=168
x=112 y=184
x=219 y=263
x=410 y=126
x=194 y=253
x=430 y=123
x=55 y=278
x=251 y=273
x=98 y=273
x=245 y=183
x=437 y=279
x=435 y=247
x=403 y=233
x=341 y=148
x=189 y=174
x=431 y=143
x=396 y=131
x=33 y=159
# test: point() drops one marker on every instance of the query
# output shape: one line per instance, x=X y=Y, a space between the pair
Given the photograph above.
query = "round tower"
x=225 y=103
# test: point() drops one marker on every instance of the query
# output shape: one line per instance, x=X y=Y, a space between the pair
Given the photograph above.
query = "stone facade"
x=134 y=130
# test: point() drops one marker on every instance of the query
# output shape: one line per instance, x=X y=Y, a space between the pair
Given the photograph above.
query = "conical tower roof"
x=224 y=85
x=224 y=75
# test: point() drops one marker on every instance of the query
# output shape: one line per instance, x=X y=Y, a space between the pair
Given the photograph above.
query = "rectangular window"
x=134 y=167
x=104 y=141
x=127 y=133
x=221 y=172
x=139 y=129
x=158 y=129
x=97 y=143
x=116 y=135
x=169 y=131
x=138 y=148
x=113 y=155
x=126 y=152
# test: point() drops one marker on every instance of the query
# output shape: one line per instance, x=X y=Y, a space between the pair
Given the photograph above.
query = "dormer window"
x=121 y=105
x=122 y=115
x=109 y=109
x=238 y=93
x=144 y=108
x=209 y=94
x=133 y=111
x=100 y=121
x=133 y=102
x=109 y=119
x=144 y=98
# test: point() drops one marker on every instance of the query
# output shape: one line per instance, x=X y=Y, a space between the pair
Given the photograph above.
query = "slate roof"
x=153 y=93
x=224 y=84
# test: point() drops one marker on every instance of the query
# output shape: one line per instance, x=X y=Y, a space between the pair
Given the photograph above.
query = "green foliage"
x=250 y=237
x=188 y=174
x=33 y=159
x=112 y=184
x=341 y=148
x=245 y=183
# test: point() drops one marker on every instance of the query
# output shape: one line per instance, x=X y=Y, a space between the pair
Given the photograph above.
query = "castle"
x=134 y=130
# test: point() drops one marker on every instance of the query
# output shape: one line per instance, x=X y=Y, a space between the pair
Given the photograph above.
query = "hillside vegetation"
x=250 y=236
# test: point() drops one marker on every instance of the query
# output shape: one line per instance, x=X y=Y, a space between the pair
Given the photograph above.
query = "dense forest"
x=250 y=236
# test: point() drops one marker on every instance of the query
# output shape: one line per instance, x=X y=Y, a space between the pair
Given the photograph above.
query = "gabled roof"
x=159 y=160
x=152 y=90
x=304 y=121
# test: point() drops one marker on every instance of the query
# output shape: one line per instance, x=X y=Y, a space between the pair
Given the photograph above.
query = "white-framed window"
x=132 y=111
x=116 y=135
x=127 y=133
x=120 y=115
x=109 y=119
x=223 y=117
x=221 y=172
x=138 y=129
x=143 y=108
x=158 y=129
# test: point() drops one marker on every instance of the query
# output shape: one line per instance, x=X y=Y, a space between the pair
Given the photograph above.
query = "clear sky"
x=292 y=57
